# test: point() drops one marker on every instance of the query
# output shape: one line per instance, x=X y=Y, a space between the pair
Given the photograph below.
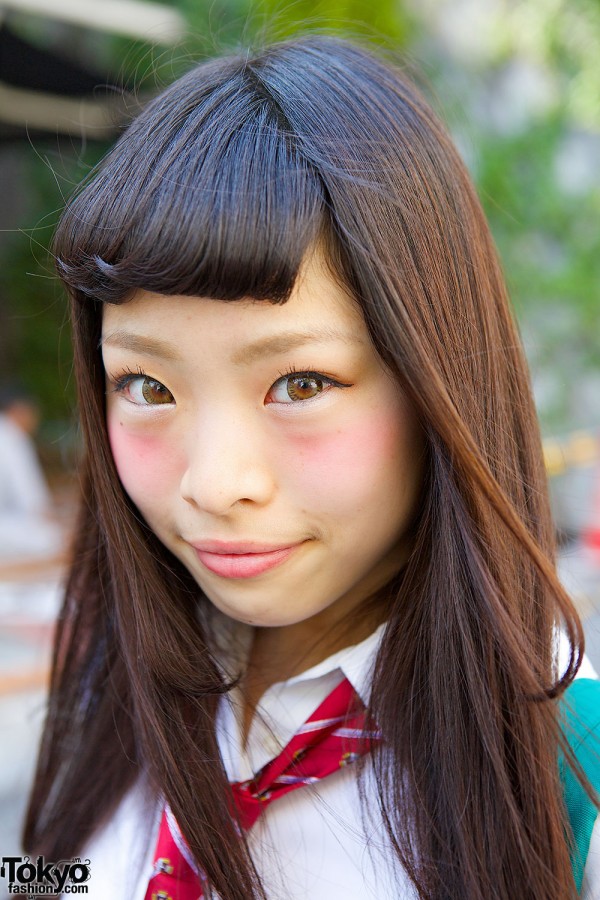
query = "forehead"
x=318 y=310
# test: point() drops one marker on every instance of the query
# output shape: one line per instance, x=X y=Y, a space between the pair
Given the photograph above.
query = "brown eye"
x=303 y=387
x=143 y=390
x=295 y=387
x=299 y=386
x=154 y=392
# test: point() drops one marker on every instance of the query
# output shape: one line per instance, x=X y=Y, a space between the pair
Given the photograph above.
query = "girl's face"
x=266 y=446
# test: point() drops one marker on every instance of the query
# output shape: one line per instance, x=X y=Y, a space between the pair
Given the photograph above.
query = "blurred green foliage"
x=549 y=241
x=37 y=353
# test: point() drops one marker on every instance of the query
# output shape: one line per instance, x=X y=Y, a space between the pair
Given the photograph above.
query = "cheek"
x=364 y=463
x=147 y=465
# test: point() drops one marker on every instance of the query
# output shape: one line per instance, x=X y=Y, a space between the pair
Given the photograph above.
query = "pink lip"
x=241 y=560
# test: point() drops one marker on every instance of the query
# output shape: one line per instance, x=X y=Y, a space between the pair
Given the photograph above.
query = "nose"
x=226 y=464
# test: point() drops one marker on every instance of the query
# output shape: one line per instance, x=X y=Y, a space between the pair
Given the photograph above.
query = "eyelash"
x=293 y=371
x=121 y=380
x=127 y=375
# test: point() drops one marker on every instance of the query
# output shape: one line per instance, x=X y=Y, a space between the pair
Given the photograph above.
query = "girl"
x=307 y=647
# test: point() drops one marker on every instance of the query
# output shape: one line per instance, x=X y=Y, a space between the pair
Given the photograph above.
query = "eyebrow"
x=270 y=345
x=289 y=340
x=149 y=346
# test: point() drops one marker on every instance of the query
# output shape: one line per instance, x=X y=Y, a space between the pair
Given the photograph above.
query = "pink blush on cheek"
x=348 y=465
x=146 y=463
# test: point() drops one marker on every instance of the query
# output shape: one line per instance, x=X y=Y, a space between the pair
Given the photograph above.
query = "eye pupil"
x=155 y=392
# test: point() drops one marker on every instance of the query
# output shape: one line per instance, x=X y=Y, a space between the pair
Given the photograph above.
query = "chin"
x=262 y=618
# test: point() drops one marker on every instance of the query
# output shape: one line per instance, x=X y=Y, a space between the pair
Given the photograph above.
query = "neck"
x=277 y=654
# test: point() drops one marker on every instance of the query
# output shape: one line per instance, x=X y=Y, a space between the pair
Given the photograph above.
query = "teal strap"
x=581 y=709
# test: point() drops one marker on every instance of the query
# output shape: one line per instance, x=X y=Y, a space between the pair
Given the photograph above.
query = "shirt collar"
x=355 y=662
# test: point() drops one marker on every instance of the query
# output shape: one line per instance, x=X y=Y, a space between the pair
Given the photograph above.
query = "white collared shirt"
x=316 y=843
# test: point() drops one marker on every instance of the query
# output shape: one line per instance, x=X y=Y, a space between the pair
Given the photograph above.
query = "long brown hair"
x=219 y=188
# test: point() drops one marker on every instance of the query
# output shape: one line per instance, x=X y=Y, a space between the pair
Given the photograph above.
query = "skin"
x=231 y=456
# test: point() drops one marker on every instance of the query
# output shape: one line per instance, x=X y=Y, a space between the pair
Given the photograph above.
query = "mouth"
x=242 y=560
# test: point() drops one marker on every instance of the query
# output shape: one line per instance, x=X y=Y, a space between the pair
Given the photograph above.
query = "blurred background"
x=517 y=81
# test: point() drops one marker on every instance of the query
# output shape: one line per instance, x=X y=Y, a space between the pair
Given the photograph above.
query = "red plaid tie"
x=335 y=735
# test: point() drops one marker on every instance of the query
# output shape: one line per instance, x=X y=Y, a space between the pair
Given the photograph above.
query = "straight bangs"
x=224 y=205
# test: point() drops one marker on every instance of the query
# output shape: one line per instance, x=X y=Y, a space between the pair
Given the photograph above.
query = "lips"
x=242 y=559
